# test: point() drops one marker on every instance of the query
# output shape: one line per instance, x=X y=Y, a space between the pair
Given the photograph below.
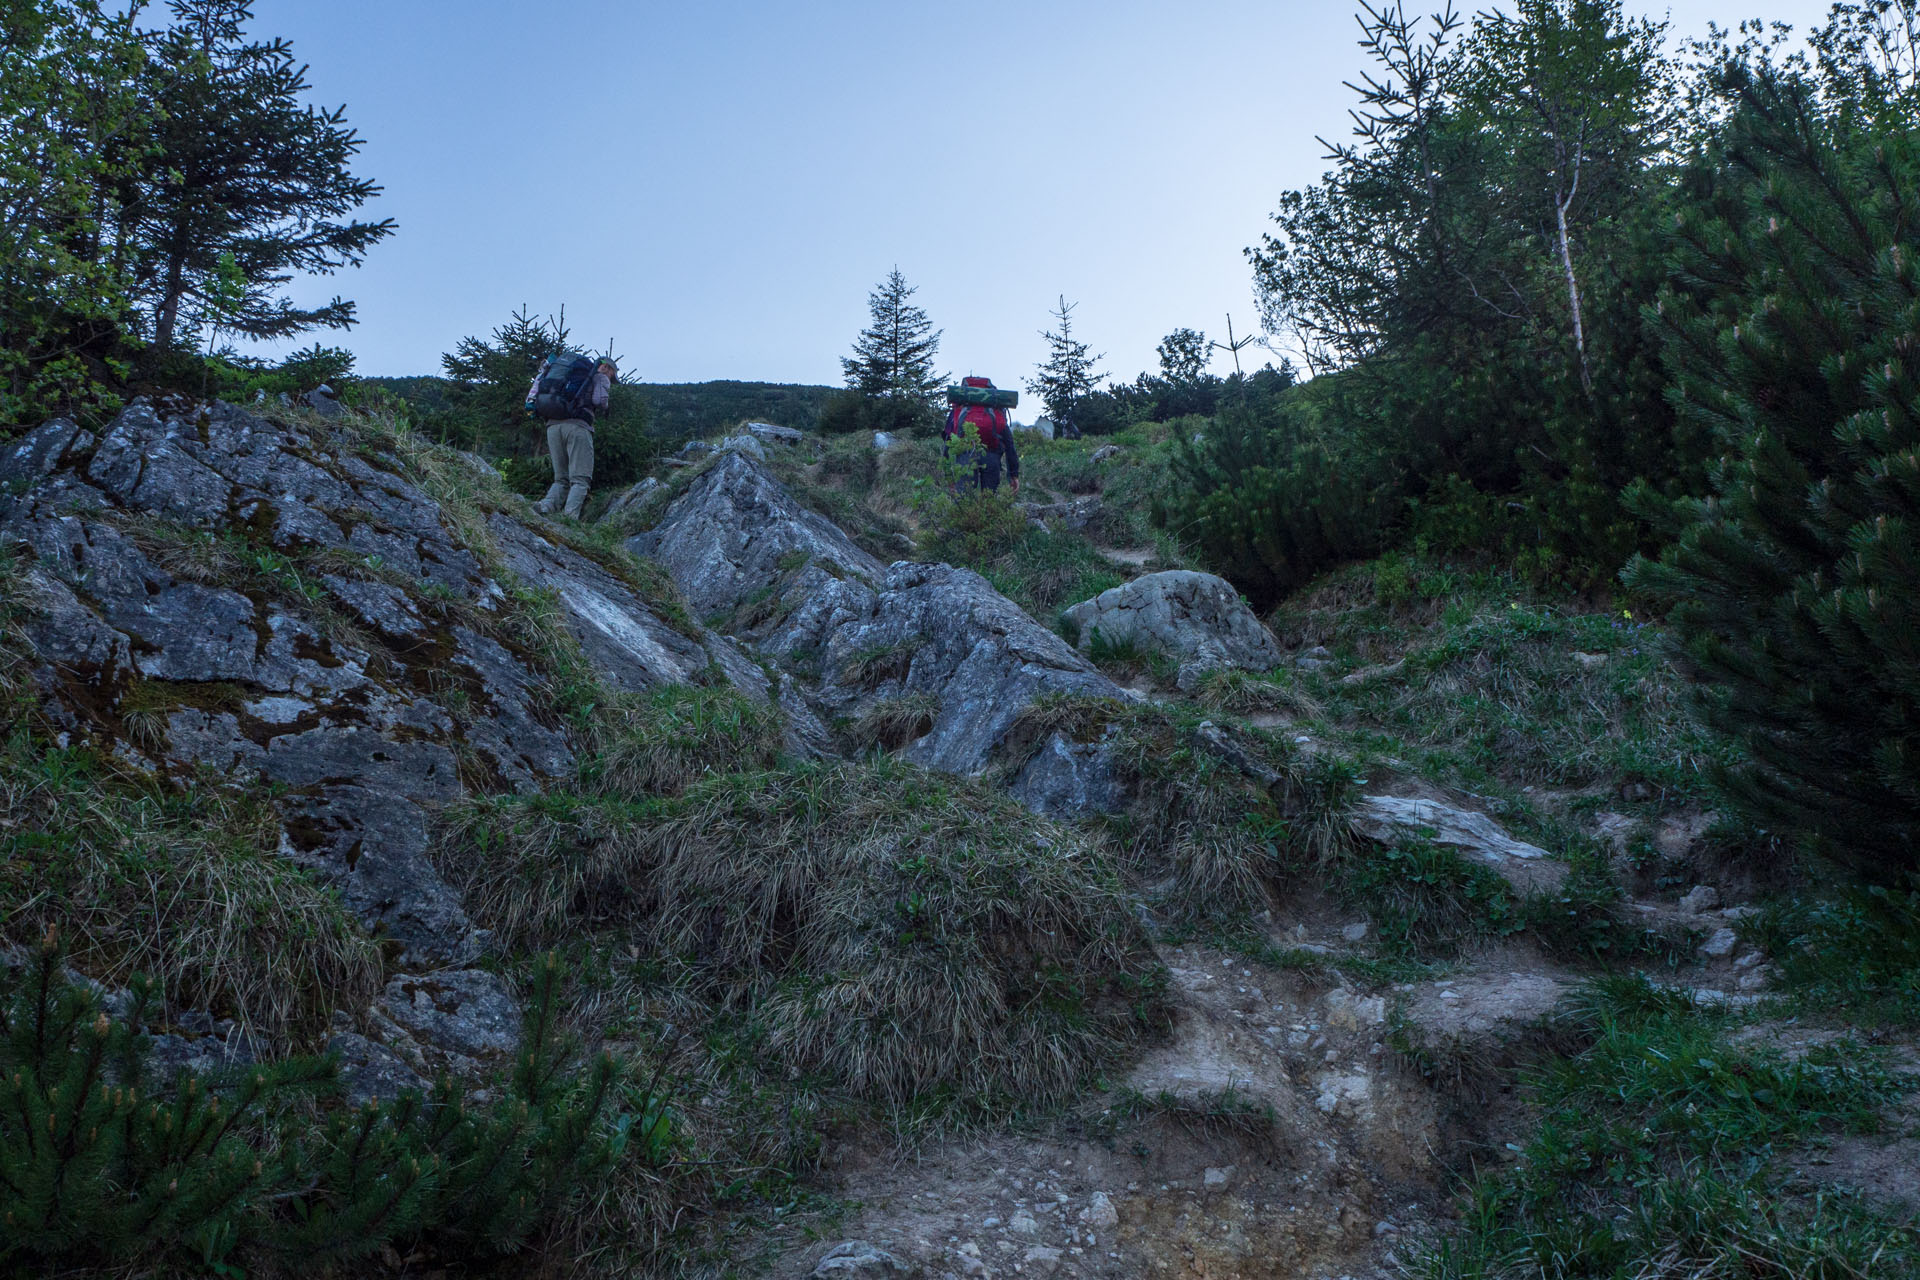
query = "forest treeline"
x=1591 y=305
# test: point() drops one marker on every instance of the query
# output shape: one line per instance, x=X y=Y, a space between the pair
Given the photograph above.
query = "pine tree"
x=69 y=98
x=236 y=164
x=1067 y=375
x=893 y=358
x=100 y=1162
x=1794 y=335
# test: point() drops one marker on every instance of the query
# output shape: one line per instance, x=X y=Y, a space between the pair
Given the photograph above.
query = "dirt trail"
x=1274 y=1134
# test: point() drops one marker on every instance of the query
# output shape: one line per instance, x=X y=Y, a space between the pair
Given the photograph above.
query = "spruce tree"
x=893 y=358
x=1793 y=332
x=236 y=164
x=1067 y=375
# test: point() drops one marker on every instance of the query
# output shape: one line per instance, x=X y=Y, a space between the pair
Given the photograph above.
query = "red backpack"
x=991 y=424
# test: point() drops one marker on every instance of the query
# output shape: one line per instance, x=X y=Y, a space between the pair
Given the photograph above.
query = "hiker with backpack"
x=570 y=392
x=977 y=403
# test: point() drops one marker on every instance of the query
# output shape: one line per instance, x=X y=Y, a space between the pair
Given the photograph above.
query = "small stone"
x=1102 y=1213
x=857 y=1258
x=1355 y=932
x=1753 y=980
x=1721 y=944
x=1700 y=898
x=1749 y=960
x=1217 y=1177
x=1023 y=1224
x=1043 y=1260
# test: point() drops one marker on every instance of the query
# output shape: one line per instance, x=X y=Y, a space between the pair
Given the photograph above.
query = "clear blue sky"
x=717 y=184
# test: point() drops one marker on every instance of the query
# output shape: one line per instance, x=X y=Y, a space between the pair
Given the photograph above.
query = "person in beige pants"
x=570 y=445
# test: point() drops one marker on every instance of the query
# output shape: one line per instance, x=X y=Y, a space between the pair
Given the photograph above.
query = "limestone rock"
x=371 y=1071
x=633 y=648
x=1195 y=617
x=1387 y=818
x=856 y=1258
x=631 y=498
x=1720 y=945
x=852 y=632
x=771 y=434
x=729 y=536
x=463 y=1011
x=1067 y=779
x=1479 y=1019
x=1700 y=898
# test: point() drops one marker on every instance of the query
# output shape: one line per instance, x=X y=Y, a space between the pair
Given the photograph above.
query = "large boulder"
x=738 y=532
x=851 y=634
x=1196 y=618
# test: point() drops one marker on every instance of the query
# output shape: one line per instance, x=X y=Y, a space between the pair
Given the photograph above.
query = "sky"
x=716 y=185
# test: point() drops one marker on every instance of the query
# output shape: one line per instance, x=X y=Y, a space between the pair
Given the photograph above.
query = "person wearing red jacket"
x=995 y=430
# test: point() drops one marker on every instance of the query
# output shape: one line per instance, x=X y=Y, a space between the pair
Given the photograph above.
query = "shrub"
x=1795 y=587
x=98 y=1164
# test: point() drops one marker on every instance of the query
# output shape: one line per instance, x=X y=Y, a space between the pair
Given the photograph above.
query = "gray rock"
x=1195 y=617
x=371 y=1071
x=884 y=440
x=213 y=740
x=1075 y=514
x=970 y=646
x=1318 y=658
x=225 y=1049
x=465 y=1011
x=1039 y=426
x=854 y=1258
x=729 y=536
x=772 y=434
x=628 y=643
x=1721 y=944
x=1066 y=779
x=747 y=445
x=332 y=756
x=385 y=610
x=1700 y=898
x=631 y=498
x=323 y=402
x=1387 y=818
x=372 y=845
x=37 y=453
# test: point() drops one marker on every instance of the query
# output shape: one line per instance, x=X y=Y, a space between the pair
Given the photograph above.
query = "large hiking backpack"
x=565 y=389
x=979 y=403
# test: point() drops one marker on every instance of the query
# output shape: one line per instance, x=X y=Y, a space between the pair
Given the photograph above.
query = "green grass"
x=1856 y=955
x=185 y=884
x=663 y=742
x=900 y=933
x=1491 y=694
x=1657 y=1154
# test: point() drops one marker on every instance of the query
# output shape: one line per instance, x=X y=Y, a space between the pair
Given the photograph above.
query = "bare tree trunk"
x=1560 y=207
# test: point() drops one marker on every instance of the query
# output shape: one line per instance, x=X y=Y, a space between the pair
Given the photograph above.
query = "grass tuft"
x=899 y=932
x=661 y=743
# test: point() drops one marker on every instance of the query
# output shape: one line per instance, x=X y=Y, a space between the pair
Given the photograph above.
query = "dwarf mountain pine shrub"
x=101 y=1163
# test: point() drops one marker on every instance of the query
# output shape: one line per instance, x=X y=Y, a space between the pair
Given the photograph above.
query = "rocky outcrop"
x=852 y=633
x=1197 y=618
x=211 y=592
